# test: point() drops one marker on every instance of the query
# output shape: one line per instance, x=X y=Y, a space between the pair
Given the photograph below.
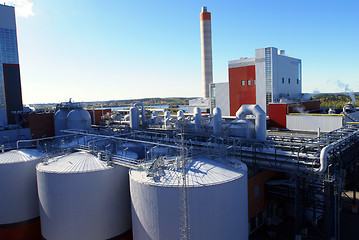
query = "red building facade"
x=242 y=87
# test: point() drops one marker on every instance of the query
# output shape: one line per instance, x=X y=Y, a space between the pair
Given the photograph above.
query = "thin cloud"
x=23 y=8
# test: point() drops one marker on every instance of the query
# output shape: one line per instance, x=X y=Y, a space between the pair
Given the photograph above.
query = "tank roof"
x=200 y=172
x=20 y=155
x=79 y=162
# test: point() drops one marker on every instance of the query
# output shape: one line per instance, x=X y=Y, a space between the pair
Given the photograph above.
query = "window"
x=297 y=81
x=243 y=82
x=248 y=82
x=282 y=80
x=254 y=82
x=288 y=80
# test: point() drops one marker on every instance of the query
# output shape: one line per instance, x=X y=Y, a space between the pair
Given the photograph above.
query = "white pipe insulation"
x=324 y=159
x=180 y=115
x=142 y=113
x=134 y=118
x=166 y=119
x=260 y=121
x=197 y=119
x=217 y=120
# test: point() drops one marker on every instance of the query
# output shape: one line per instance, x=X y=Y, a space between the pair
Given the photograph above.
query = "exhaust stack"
x=206 y=50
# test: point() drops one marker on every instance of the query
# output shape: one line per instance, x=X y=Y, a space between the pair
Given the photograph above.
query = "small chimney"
x=282 y=52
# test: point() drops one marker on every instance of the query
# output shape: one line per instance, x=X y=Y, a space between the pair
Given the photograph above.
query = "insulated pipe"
x=180 y=115
x=197 y=119
x=166 y=119
x=134 y=118
x=142 y=113
x=180 y=118
x=260 y=122
x=155 y=118
x=324 y=159
x=217 y=120
x=167 y=114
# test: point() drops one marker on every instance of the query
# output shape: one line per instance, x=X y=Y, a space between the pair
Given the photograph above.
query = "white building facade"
x=278 y=77
x=270 y=76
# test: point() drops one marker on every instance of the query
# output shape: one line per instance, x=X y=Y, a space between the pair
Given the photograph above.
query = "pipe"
x=142 y=113
x=166 y=119
x=134 y=118
x=180 y=115
x=167 y=114
x=217 y=120
x=260 y=121
x=324 y=159
x=40 y=139
x=93 y=116
x=155 y=118
x=197 y=119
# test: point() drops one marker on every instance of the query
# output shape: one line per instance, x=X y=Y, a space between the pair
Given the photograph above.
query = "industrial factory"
x=248 y=154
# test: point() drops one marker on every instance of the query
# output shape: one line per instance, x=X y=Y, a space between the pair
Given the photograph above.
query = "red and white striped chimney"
x=206 y=49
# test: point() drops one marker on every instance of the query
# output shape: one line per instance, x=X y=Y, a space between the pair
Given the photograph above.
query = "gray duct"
x=260 y=121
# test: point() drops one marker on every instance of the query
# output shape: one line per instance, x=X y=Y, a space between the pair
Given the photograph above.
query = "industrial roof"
x=78 y=162
x=20 y=155
x=200 y=172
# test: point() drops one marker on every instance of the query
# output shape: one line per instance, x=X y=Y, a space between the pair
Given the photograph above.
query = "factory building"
x=10 y=85
x=269 y=77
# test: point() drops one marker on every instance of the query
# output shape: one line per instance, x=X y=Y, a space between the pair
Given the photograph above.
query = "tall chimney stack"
x=206 y=49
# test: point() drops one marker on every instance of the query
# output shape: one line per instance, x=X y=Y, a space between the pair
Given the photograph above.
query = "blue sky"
x=106 y=50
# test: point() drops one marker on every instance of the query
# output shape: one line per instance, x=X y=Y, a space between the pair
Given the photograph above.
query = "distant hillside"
x=122 y=103
x=336 y=100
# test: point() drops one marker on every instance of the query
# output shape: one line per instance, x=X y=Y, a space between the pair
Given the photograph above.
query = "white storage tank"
x=60 y=121
x=79 y=119
x=81 y=197
x=19 y=205
x=217 y=202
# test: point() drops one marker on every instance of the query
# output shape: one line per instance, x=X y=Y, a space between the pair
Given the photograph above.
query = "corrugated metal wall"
x=311 y=122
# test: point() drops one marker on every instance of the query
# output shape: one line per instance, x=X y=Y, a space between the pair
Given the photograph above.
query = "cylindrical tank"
x=60 y=121
x=19 y=204
x=216 y=199
x=79 y=119
x=134 y=118
x=81 y=197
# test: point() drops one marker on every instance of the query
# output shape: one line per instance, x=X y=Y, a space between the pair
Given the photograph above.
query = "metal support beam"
x=298 y=208
x=354 y=207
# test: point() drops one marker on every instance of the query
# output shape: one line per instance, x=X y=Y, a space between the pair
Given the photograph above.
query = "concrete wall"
x=311 y=122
